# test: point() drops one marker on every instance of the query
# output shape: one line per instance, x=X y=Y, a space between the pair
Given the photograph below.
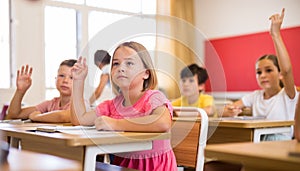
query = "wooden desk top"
x=271 y=155
x=85 y=137
x=239 y=123
x=26 y=160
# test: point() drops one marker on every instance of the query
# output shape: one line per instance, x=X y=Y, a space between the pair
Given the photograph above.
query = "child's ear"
x=147 y=74
x=201 y=87
x=280 y=76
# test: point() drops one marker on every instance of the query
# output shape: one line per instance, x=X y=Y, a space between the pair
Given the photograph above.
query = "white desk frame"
x=92 y=151
x=264 y=131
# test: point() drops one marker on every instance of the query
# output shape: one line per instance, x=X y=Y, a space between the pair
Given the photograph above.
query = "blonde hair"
x=151 y=81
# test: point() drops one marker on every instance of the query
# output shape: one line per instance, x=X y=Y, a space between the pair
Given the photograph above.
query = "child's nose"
x=67 y=79
x=122 y=67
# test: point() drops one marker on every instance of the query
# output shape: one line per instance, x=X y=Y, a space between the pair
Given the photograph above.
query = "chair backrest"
x=189 y=136
x=3 y=112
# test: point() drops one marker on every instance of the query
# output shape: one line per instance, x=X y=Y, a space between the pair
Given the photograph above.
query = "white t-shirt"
x=106 y=70
x=278 y=107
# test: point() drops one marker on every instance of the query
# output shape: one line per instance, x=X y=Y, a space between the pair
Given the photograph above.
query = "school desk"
x=82 y=145
x=242 y=129
x=27 y=160
x=184 y=142
x=262 y=156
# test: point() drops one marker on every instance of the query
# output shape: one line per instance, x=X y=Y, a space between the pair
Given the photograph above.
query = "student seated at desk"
x=55 y=110
x=137 y=106
x=192 y=85
x=278 y=97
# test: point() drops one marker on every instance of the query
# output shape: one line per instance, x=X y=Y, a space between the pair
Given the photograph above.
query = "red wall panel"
x=238 y=55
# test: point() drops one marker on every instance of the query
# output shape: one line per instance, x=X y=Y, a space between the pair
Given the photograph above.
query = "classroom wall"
x=214 y=18
x=239 y=54
x=230 y=19
x=27 y=30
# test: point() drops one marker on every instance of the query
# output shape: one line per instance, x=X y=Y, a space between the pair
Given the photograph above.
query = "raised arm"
x=23 y=83
x=282 y=54
x=79 y=115
x=103 y=81
x=159 y=121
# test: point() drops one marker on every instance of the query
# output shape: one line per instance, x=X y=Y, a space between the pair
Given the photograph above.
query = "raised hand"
x=80 y=69
x=276 y=20
x=24 y=78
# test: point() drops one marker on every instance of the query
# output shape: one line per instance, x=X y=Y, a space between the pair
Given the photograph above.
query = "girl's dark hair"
x=274 y=59
x=101 y=56
x=192 y=70
x=68 y=62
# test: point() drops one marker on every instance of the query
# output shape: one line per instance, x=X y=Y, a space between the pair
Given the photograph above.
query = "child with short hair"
x=102 y=61
x=55 y=110
x=192 y=85
x=136 y=107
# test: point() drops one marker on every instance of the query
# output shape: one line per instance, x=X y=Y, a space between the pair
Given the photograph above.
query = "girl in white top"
x=278 y=97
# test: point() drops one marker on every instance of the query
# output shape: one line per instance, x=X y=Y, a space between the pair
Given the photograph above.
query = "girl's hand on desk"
x=105 y=123
x=232 y=110
x=33 y=115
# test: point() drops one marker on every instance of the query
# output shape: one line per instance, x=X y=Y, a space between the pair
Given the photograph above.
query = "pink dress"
x=51 y=105
x=161 y=157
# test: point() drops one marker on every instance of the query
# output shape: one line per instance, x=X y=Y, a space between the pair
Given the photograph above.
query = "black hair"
x=192 y=70
x=101 y=56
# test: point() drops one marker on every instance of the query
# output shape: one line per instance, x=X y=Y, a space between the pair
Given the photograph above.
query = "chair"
x=3 y=112
x=189 y=136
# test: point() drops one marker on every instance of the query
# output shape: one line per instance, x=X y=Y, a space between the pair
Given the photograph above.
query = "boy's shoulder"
x=203 y=95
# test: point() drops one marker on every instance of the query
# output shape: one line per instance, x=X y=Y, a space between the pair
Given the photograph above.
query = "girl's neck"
x=193 y=98
x=64 y=100
x=268 y=93
x=132 y=96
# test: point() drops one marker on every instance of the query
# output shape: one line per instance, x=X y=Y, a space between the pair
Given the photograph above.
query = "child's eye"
x=191 y=80
x=61 y=76
x=129 y=63
x=258 y=72
x=115 y=64
x=269 y=70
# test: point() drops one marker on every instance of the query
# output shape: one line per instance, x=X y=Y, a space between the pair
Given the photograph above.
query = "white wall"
x=223 y=18
x=27 y=29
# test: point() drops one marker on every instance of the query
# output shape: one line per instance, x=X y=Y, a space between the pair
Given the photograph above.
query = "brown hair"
x=68 y=62
x=151 y=81
x=274 y=59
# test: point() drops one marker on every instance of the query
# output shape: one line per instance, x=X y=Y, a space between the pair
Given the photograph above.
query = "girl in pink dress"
x=137 y=106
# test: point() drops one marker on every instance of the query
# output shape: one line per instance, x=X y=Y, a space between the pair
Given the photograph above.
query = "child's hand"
x=24 y=79
x=232 y=110
x=104 y=123
x=80 y=69
x=33 y=115
x=276 y=23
